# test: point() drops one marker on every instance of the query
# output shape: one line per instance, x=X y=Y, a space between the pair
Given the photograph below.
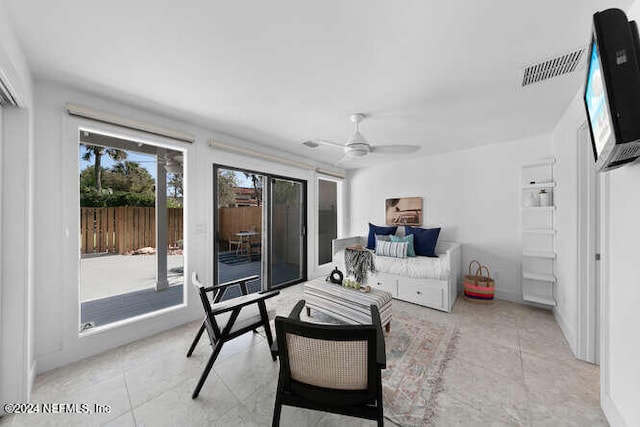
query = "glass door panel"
x=239 y=227
x=288 y=241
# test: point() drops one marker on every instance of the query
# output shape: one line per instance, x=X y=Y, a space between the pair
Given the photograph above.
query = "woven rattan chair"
x=225 y=320
x=332 y=368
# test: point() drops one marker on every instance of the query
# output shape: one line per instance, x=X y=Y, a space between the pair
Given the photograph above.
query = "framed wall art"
x=404 y=211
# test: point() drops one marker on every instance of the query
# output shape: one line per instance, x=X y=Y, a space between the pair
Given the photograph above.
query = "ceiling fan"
x=358 y=146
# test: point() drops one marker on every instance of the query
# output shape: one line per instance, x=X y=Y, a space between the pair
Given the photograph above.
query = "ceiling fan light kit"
x=358 y=146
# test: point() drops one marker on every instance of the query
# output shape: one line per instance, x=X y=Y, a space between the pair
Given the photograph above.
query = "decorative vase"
x=545 y=198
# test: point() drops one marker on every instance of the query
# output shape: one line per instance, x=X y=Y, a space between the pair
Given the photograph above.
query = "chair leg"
x=267 y=328
x=380 y=403
x=196 y=339
x=277 y=409
x=207 y=369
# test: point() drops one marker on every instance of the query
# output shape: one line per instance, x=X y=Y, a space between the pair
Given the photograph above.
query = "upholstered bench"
x=350 y=306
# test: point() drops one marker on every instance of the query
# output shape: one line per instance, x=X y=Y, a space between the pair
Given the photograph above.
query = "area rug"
x=417 y=353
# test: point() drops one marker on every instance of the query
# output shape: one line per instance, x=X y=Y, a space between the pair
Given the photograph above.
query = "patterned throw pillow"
x=392 y=249
x=409 y=239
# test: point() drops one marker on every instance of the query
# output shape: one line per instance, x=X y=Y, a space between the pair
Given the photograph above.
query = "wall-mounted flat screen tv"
x=612 y=90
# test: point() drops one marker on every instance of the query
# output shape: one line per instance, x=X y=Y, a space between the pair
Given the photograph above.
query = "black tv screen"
x=612 y=90
x=595 y=96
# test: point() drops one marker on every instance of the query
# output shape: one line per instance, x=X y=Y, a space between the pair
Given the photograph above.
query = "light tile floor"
x=512 y=366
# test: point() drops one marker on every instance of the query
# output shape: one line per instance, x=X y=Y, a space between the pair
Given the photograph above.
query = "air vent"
x=563 y=64
x=7 y=94
x=310 y=144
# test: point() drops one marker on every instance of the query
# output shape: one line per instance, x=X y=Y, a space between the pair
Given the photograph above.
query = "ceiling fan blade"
x=394 y=149
x=343 y=160
x=313 y=143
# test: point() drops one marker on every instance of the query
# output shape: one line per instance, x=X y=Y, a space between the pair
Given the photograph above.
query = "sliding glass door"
x=287 y=249
x=260 y=226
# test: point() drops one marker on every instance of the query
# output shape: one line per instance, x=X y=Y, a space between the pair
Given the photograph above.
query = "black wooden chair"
x=225 y=320
x=332 y=368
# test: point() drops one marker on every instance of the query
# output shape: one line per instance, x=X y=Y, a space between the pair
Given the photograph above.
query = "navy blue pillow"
x=424 y=240
x=381 y=231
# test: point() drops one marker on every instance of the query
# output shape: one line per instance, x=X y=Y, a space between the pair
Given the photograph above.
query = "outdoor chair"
x=332 y=368
x=237 y=242
x=225 y=320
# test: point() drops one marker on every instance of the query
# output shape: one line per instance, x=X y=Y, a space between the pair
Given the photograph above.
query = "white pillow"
x=392 y=249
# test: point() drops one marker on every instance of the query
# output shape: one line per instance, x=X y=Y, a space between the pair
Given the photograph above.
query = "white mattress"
x=419 y=267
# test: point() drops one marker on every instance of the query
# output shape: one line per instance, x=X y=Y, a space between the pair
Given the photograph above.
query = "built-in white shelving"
x=538 y=232
x=539 y=254
x=544 y=231
x=540 y=277
x=538 y=185
x=539 y=208
x=540 y=299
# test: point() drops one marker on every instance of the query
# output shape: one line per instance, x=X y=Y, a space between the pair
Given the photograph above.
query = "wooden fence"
x=125 y=228
x=233 y=220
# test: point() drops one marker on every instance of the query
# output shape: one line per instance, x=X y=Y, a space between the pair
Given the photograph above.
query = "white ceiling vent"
x=552 y=67
x=7 y=93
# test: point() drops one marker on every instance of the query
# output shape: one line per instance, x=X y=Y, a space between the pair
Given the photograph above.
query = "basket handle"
x=471 y=263
x=479 y=274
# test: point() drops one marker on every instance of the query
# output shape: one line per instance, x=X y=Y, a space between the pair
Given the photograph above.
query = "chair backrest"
x=195 y=281
x=337 y=358
x=210 y=324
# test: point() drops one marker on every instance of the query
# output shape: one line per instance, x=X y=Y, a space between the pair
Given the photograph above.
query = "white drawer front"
x=431 y=294
x=384 y=282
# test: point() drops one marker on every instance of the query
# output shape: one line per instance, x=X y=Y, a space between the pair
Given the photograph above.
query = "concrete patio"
x=108 y=275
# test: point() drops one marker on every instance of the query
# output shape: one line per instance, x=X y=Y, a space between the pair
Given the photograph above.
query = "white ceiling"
x=443 y=75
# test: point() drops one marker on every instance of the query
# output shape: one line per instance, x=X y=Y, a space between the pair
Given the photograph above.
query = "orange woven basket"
x=479 y=288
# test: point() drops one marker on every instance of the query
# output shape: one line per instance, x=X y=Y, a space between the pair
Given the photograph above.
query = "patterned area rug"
x=417 y=352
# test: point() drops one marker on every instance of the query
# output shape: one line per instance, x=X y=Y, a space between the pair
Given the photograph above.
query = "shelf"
x=540 y=254
x=546 y=231
x=541 y=277
x=538 y=208
x=540 y=299
x=543 y=162
x=537 y=185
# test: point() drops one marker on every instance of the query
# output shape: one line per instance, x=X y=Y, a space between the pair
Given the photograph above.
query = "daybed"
x=431 y=282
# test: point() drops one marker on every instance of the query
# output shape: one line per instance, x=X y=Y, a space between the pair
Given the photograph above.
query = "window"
x=131 y=228
x=327 y=218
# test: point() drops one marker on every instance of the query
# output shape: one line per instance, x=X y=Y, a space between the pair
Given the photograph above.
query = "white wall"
x=565 y=150
x=621 y=324
x=16 y=198
x=473 y=194
x=56 y=191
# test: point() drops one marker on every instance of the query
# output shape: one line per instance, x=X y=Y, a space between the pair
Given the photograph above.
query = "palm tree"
x=257 y=186
x=97 y=152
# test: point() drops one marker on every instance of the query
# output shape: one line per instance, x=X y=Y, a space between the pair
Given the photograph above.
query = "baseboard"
x=33 y=370
x=509 y=295
x=569 y=333
x=611 y=411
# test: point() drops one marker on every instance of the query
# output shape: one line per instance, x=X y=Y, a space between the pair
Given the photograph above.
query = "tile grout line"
x=126 y=386
x=524 y=382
